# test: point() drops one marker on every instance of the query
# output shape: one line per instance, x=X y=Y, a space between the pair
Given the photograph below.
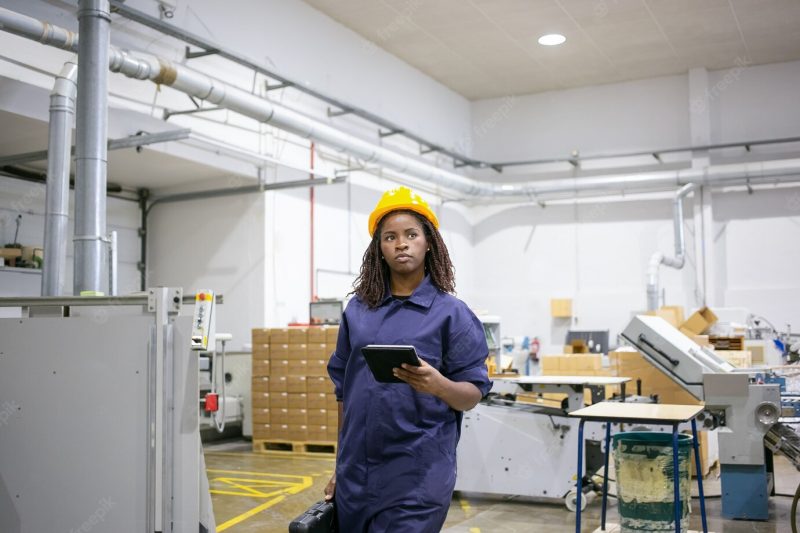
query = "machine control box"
x=202 y=320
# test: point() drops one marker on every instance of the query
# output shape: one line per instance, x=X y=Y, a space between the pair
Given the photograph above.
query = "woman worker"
x=396 y=465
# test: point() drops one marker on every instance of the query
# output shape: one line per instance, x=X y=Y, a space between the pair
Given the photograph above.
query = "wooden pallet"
x=286 y=447
x=727 y=343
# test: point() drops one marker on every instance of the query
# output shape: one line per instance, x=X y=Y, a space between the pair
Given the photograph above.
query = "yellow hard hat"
x=398 y=199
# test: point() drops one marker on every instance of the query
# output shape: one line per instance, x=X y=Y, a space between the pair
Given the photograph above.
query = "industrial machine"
x=528 y=449
x=99 y=421
x=747 y=411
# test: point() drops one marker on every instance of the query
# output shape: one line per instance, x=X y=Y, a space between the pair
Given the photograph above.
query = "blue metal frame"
x=675 y=473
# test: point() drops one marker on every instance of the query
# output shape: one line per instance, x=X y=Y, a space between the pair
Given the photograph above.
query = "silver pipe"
x=59 y=144
x=657 y=259
x=204 y=87
x=94 y=22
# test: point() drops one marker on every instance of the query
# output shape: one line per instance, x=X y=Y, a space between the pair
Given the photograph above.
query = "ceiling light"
x=552 y=39
x=507 y=187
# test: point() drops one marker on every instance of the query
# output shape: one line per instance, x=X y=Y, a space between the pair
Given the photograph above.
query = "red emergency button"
x=201 y=296
x=212 y=402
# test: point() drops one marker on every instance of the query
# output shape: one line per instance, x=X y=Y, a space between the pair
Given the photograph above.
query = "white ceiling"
x=487 y=48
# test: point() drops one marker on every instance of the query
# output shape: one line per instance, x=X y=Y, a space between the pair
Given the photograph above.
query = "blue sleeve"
x=467 y=351
x=338 y=361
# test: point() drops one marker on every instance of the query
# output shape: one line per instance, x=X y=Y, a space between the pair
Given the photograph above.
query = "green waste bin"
x=644 y=473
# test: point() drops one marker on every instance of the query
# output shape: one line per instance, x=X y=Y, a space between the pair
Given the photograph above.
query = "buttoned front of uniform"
x=397 y=446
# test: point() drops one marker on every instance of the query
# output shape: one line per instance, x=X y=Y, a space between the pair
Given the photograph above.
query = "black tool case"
x=319 y=518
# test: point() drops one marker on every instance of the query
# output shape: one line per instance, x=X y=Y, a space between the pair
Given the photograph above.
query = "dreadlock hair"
x=370 y=285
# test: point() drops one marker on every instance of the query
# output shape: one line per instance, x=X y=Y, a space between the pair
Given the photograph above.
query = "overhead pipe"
x=59 y=145
x=658 y=258
x=188 y=81
x=91 y=135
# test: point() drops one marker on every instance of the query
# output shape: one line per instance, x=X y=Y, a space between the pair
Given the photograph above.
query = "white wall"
x=597 y=252
x=213 y=244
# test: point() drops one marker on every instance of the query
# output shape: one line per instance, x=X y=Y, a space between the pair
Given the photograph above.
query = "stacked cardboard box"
x=293 y=397
x=633 y=365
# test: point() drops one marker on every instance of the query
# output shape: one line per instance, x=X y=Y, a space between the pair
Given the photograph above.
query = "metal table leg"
x=605 y=478
x=579 y=483
x=676 y=482
x=695 y=444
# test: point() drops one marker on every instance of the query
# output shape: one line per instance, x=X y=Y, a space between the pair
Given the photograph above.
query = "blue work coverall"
x=396 y=466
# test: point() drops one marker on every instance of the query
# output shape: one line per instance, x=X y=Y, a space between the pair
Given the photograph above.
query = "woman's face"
x=403 y=243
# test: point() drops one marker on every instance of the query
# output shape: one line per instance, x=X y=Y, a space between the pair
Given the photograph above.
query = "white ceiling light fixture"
x=552 y=39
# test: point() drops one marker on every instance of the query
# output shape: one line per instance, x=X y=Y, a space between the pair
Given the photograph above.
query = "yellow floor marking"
x=252 y=512
x=249 y=488
x=474 y=530
x=253 y=473
x=464 y=505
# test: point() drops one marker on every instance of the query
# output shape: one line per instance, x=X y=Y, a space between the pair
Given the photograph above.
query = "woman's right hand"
x=330 y=488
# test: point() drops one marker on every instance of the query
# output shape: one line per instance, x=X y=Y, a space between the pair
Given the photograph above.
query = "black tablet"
x=381 y=359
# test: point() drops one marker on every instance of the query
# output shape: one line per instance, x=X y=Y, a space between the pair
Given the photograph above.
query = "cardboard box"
x=317 y=417
x=330 y=402
x=669 y=314
x=316 y=335
x=579 y=346
x=319 y=384
x=333 y=434
x=318 y=351
x=633 y=365
x=298 y=335
x=317 y=368
x=561 y=307
x=317 y=432
x=317 y=400
x=260 y=336
x=550 y=365
x=279 y=416
x=261 y=367
x=260 y=415
x=261 y=399
x=279 y=400
x=260 y=351
x=261 y=384
x=279 y=432
x=297 y=400
x=332 y=335
x=279 y=384
x=701 y=340
x=756 y=348
x=298 y=351
x=296 y=384
x=279 y=367
x=262 y=431
x=699 y=321
x=298 y=417
x=279 y=336
x=298 y=367
x=278 y=351
x=738 y=358
x=297 y=433
x=675 y=312
x=333 y=418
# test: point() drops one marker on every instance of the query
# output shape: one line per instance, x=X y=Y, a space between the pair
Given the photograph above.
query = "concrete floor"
x=255 y=493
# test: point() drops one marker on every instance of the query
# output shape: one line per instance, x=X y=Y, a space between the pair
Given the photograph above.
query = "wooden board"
x=639 y=412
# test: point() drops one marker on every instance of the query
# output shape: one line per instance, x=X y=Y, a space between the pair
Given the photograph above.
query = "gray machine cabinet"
x=73 y=439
